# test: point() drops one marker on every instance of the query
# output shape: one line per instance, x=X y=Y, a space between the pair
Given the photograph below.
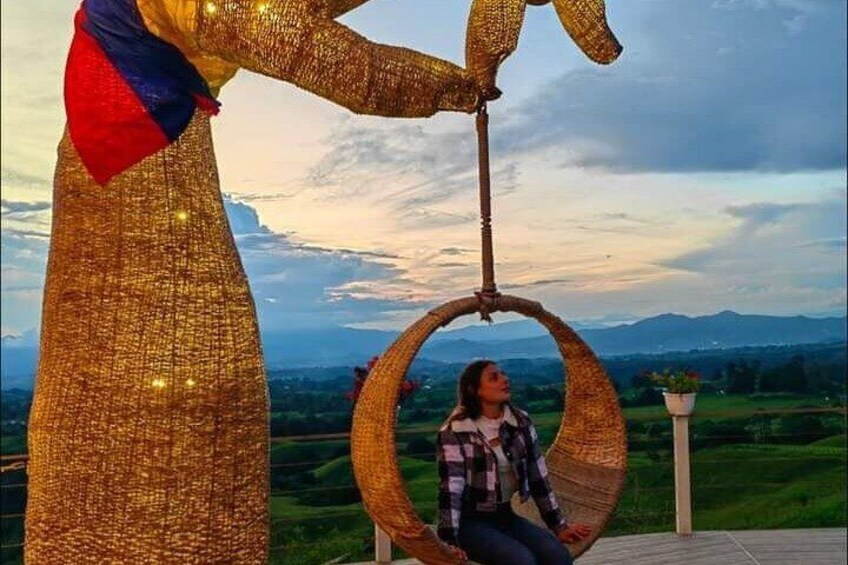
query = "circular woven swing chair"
x=586 y=462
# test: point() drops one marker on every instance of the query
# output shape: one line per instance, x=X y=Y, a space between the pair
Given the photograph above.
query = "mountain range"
x=340 y=346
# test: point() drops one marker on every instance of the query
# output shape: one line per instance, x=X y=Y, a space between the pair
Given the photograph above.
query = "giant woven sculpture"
x=148 y=434
x=587 y=459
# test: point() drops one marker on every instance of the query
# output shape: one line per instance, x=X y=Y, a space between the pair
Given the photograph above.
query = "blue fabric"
x=165 y=81
x=503 y=538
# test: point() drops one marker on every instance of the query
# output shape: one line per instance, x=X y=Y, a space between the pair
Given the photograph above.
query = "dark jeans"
x=502 y=538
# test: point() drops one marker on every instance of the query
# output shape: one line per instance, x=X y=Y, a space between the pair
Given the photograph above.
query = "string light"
x=158 y=383
x=190 y=383
x=182 y=215
x=210 y=8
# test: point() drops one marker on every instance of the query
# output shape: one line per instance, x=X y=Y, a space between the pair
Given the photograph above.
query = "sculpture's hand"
x=574 y=533
x=299 y=41
x=492 y=35
x=494 y=27
x=586 y=23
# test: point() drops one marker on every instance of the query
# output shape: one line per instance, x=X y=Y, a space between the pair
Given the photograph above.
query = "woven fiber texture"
x=494 y=27
x=298 y=41
x=148 y=437
x=586 y=462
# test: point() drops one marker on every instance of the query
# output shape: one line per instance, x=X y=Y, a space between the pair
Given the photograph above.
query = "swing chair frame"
x=586 y=461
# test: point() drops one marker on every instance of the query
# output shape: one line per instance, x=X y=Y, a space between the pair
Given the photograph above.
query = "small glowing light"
x=158 y=383
x=262 y=7
x=211 y=8
x=182 y=215
x=190 y=382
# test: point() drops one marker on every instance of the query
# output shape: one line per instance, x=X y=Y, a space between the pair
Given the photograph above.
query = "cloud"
x=724 y=88
x=542 y=282
x=244 y=220
x=22 y=268
x=797 y=245
x=19 y=179
x=14 y=208
x=413 y=169
x=295 y=285
x=731 y=86
x=455 y=250
x=299 y=285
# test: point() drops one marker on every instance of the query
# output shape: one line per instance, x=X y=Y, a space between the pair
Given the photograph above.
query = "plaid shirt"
x=468 y=470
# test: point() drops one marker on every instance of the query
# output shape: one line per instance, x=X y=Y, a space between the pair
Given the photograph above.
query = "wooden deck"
x=750 y=547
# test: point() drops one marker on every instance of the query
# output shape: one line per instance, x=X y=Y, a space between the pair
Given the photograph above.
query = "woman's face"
x=494 y=385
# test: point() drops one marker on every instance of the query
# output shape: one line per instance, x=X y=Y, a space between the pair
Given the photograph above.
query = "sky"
x=705 y=170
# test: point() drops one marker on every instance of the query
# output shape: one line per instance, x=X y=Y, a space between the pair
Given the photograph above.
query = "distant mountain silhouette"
x=509 y=340
x=661 y=334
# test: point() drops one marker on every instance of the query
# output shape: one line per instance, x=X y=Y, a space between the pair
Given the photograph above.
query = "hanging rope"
x=488 y=293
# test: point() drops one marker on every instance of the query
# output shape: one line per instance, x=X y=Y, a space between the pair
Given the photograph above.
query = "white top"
x=490 y=428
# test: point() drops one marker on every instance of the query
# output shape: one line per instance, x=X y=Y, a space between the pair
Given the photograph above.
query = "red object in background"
x=360 y=375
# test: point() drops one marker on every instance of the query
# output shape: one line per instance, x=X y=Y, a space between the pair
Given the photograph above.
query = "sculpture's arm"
x=340 y=7
x=298 y=41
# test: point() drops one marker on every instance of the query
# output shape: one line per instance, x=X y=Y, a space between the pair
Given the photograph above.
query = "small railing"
x=304 y=516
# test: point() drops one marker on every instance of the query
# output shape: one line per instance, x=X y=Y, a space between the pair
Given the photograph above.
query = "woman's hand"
x=573 y=533
x=458 y=552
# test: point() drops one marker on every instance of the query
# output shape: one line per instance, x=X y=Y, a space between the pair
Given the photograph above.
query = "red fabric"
x=94 y=91
x=208 y=105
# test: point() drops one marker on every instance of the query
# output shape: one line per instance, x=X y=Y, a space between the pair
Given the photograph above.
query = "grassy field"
x=782 y=481
x=736 y=486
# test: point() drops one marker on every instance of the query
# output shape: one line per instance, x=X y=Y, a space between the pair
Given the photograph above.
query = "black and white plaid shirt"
x=468 y=470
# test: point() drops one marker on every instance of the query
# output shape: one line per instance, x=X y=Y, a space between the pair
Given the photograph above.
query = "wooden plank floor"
x=767 y=547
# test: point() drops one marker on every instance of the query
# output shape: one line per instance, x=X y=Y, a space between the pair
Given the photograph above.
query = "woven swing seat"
x=586 y=462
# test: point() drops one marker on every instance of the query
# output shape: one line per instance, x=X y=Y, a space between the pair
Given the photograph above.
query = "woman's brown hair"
x=467 y=400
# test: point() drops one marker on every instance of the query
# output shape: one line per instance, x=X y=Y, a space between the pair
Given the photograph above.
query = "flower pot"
x=680 y=403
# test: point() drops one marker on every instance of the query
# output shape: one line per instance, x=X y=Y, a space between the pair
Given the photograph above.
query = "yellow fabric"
x=175 y=21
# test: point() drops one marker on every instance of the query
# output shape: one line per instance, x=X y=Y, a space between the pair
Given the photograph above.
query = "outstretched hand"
x=573 y=533
x=458 y=552
x=495 y=25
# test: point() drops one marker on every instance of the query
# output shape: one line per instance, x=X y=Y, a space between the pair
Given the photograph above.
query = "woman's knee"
x=518 y=554
x=554 y=553
x=495 y=548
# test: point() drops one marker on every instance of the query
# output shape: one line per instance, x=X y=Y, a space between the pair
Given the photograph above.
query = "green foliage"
x=677 y=382
x=752 y=468
x=742 y=377
x=838 y=441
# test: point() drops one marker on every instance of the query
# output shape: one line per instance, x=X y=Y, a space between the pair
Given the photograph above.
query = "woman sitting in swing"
x=487 y=450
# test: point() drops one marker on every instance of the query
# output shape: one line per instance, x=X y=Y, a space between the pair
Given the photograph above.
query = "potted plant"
x=681 y=388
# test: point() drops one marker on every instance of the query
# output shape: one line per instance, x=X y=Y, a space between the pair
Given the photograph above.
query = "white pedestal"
x=382 y=546
x=682 y=480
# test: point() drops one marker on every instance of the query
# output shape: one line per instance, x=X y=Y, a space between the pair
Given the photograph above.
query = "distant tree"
x=742 y=377
x=647 y=397
x=711 y=433
x=641 y=380
x=789 y=377
x=795 y=376
x=800 y=428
